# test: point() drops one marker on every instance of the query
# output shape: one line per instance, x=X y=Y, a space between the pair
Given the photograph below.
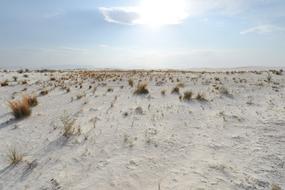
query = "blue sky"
x=142 y=33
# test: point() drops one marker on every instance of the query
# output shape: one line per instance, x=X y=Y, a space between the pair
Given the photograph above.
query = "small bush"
x=276 y=187
x=14 y=156
x=32 y=100
x=180 y=85
x=20 y=108
x=131 y=82
x=163 y=92
x=43 y=92
x=5 y=83
x=187 y=95
x=68 y=125
x=201 y=97
x=141 y=89
x=224 y=91
x=175 y=90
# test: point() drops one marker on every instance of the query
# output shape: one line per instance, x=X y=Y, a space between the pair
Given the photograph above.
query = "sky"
x=147 y=34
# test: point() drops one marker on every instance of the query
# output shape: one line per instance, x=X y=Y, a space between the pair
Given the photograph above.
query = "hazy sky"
x=142 y=33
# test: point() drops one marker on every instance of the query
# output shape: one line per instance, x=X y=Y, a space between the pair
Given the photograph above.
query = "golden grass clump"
x=187 y=95
x=14 y=157
x=32 y=100
x=20 y=108
x=141 y=89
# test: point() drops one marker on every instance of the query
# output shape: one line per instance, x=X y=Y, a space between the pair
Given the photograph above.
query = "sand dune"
x=231 y=137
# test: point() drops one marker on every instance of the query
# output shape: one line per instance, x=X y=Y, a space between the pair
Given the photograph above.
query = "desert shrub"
x=141 y=89
x=24 y=82
x=68 y=125
x=175 y=90
x=110 y=90
x=201 y=97
x=32 y=100
x=4 y=83
x=180 y=85
x=163 y=92
x=131 y=82
x=15 y=78
x=43 y=92
x=275 y=187
x=20 y=108
x=224 y=91
x=187 y=95
x=14 y=156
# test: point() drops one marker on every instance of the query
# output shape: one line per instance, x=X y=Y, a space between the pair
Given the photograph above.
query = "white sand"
x=234 y=141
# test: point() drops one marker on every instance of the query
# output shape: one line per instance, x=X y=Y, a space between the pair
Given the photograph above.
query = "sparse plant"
x=14 y=156
x=163 y=92
x=24 y=82
x=131 y=82
x=175 y=90
x=275 y=187
x=20 y=108
x=187 y=95
x=4 y=83
x=224 y=91
x=201 y=97
x=68 y=125
x=180 y=85
x=79 y=96
x=32 y=100
x=268 y=78
x=43 y=92
x=129 y=140
x=141 y=89
x=110 y=90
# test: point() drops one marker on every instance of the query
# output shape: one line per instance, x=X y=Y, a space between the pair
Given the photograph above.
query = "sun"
x=157 y=13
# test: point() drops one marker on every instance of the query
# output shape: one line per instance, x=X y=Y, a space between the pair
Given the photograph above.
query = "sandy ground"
x=233 y=140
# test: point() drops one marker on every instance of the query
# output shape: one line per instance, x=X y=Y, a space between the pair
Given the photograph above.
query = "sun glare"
x=157 y=13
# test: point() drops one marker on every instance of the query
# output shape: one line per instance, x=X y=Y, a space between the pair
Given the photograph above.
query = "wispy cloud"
x=120 y=15
x=263 y=29
x=54 y=14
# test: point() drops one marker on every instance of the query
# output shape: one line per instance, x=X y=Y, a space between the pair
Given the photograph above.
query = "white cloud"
x=120 y=15
x=263 y=29
x=171 y=11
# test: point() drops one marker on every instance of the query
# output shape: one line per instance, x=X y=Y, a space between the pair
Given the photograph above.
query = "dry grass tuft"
x=187 y=95
x=20 y=108
x=68 y=125
x=175 y=90
x=44 y=92
x=32 y=100
x=14 y=157
x=180 y=85
x=141 y=89
x=131 y=82
x=4 y=83
x=201 y=97
x=275 y=187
